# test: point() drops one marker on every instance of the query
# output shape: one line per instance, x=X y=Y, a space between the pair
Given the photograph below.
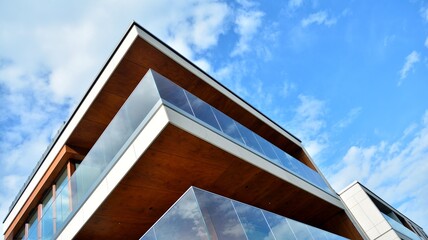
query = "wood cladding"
x=177 y=160
x=138 y=60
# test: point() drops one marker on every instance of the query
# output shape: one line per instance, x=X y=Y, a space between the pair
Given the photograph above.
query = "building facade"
x=376 y=217
x=153 y=125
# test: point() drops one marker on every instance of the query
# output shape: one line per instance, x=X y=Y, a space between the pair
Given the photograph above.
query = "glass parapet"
x=401 y=228
x=187 y=103
x=71 y=193
x=199 y=214
x=131 y=117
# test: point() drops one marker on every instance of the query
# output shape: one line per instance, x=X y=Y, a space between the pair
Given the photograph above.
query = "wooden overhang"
x=142 y=56
x=177 y=160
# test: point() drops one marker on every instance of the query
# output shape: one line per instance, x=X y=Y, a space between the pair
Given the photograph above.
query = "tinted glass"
x=182 y=221
x=202 y=111
x=220 y=217
x=253 y=222
x=249 y=138
x=279 y=225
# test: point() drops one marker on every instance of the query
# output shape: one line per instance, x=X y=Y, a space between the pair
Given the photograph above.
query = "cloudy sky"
x=349 y=78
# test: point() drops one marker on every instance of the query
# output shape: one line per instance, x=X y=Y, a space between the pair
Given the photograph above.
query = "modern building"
x=376 y=217
x=154 y=130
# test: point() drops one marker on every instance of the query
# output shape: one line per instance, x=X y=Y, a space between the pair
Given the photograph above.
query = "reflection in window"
x=220 y=217
x=182 y=221
x=47 y=216
x=199 y=214
x=202 y=111
x=279 y=226
x=253 y=222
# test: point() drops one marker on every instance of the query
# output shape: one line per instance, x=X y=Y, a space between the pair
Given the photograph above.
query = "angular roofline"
x=66 y=123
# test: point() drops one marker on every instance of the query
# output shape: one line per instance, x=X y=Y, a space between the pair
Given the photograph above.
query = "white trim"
x=85 y=104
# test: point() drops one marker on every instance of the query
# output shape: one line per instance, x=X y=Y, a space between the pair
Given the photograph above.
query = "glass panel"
x=253 y=222
x=172 y=93
x=249 y=139
x=140 y=102
x=182 y=221
x=32 y=226
x=205 y=215
x=150 y=235
x=180 y=98
x=62 y=200
x=267 y=148
x=228 y=126
x=300 y=230
x=70 y=194
x=400 y=228
x=317 y=233
x=202 y=111
x=283 y=158
x=220 y=217
x=47 y=217
x=279 y=226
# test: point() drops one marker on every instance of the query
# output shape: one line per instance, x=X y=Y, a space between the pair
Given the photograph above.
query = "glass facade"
x=397 y=226
x=199 y=214
x=153 y=90
x=187 y=103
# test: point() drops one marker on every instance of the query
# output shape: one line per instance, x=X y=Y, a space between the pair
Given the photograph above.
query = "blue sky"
x=349 y=78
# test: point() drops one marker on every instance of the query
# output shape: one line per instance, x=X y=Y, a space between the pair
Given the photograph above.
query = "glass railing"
x=219 y=122
x=202 y=215
x=131 y=117
x=401 y=228
x=104 y=153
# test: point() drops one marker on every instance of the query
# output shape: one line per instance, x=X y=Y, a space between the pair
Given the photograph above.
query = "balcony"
x=153 y=91
x=200 y=215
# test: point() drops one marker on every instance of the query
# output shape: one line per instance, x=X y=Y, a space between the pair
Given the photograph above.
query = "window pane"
x=47 y=216
x=279 y=226
x=253 y=222
x=220 y=217
x=228 y=126
x=202 y=111
x=249 y=139
x=172 y=93
x=267 y=148
x=62 y=200
x=32 y=226
x=182 y=221
x=300 y=230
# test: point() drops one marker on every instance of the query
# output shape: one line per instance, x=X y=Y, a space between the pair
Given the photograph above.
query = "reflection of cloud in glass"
x=187 y=209
x=220 y=216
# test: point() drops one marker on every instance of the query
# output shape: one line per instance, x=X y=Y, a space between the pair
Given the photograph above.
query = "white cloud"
x=411 y=59
x=309 y=125
x=247 y=25
x=49 y=57
x=287 y=87
x=424 y=13
x=294 y=3
x=320 y=18
x=426 y=42
x=350 y=117
x=395 y=171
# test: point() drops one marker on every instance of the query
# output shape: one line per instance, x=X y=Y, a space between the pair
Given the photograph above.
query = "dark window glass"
x=228 y=126
x=202 y=111
x=249 y=138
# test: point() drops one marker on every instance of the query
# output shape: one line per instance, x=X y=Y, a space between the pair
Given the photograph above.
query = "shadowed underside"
x=177 y=160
